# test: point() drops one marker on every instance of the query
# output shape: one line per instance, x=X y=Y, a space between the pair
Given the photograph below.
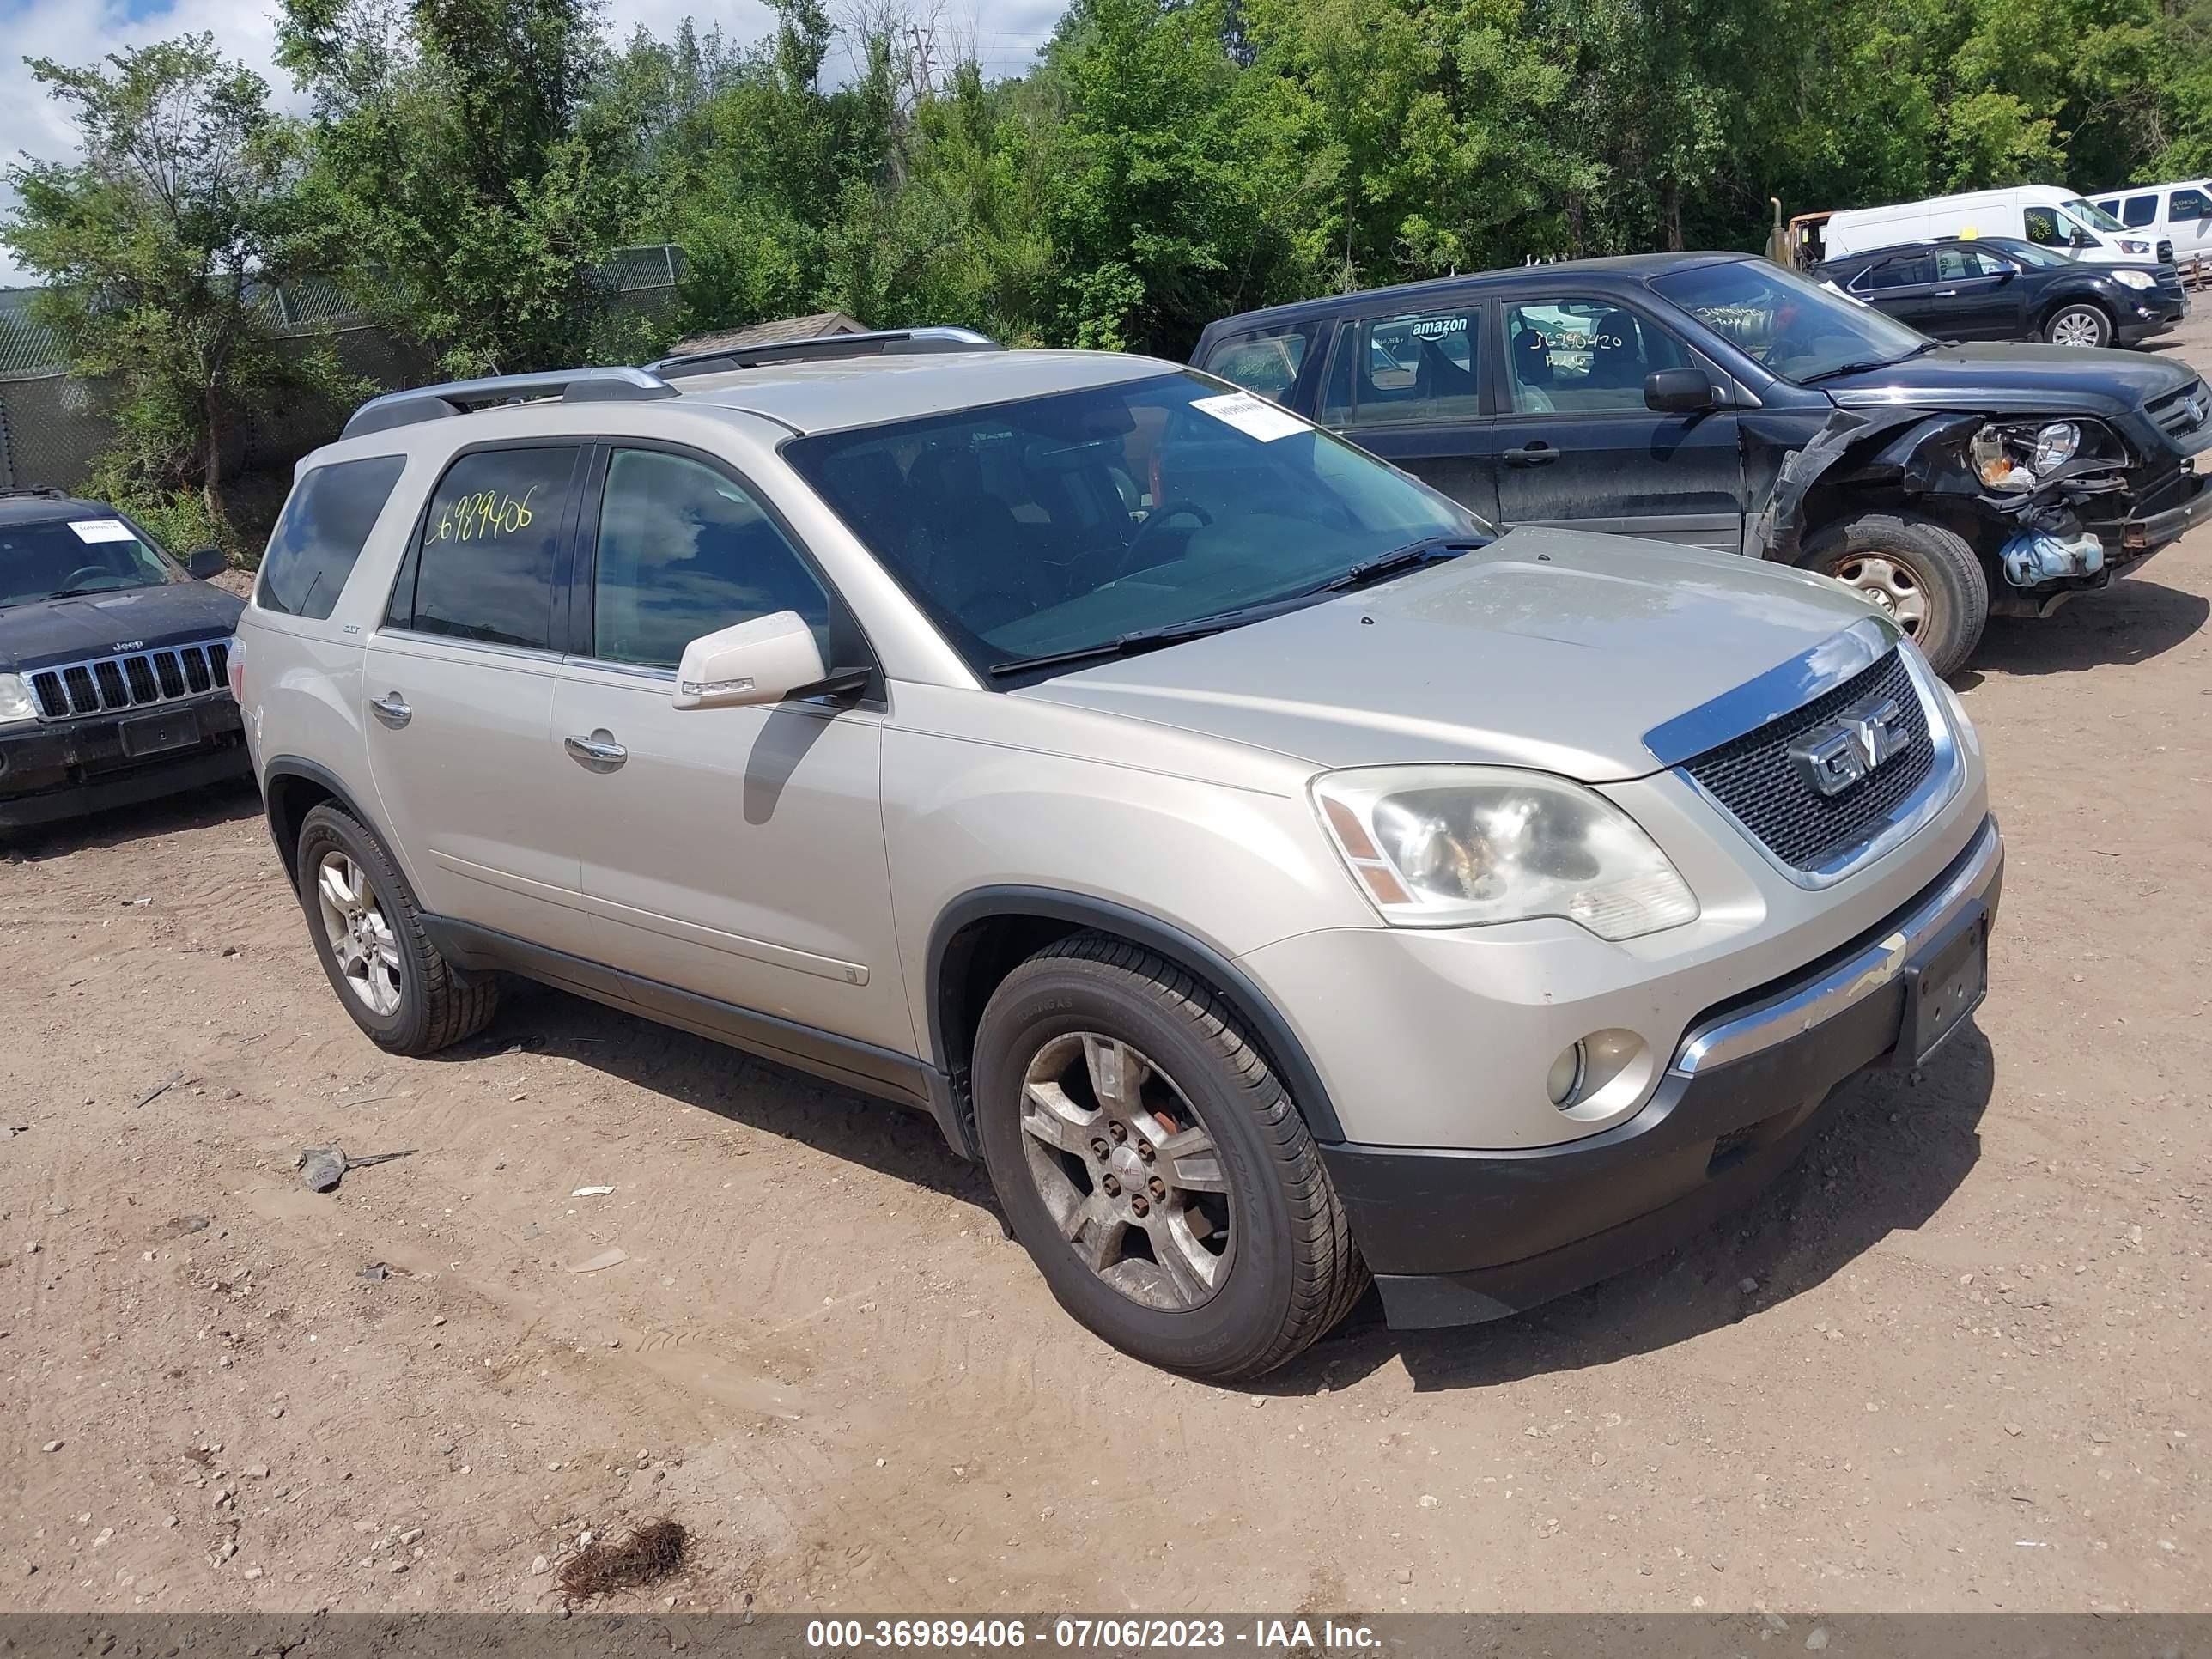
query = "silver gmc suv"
x=1275 y=875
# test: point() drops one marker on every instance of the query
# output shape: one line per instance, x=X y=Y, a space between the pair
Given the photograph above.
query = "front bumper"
x=73 y=768
x=2191 y=505
x=1456 y=1238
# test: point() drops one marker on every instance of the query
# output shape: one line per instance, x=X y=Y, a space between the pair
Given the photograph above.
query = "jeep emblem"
x=1833 y=756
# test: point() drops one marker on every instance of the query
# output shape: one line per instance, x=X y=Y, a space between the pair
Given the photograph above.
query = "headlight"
x=2127 y=247
x=2135 y=279
x=16 y=702
x=1462 y=846
x=2022 y=457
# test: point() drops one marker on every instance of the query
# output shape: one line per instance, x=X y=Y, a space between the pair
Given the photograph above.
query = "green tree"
x=161 y=248
x=457 y=181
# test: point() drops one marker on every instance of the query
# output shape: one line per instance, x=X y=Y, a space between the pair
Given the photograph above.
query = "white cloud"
x=1004 y=33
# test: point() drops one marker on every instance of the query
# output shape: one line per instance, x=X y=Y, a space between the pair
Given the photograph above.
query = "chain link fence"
x=54 y=427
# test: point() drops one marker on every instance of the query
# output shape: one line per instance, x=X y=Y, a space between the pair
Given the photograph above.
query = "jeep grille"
x=135 y=679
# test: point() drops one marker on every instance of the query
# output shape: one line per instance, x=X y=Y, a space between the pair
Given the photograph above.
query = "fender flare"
x=294 y=766
x=1285 y=1053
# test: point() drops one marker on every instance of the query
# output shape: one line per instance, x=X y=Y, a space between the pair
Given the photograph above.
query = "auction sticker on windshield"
x=1252 y=416
x=102 y=530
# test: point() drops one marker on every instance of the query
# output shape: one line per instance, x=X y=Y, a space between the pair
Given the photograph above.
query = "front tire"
x=1922 y=573
x=1154 y=1167
x=367 y=934
x=2079 y=323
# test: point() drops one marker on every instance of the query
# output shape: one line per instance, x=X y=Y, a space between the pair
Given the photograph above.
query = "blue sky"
x=1004 y=33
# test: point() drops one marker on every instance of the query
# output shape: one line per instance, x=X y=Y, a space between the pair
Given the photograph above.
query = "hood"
x=1555 y=649
x=2006 y=378
x=55 y=631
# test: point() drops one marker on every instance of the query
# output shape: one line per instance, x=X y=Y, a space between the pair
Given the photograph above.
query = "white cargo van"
x=2177 y=215
x=2036 y=213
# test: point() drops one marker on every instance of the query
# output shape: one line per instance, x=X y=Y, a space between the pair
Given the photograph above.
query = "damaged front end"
x=2046 y=498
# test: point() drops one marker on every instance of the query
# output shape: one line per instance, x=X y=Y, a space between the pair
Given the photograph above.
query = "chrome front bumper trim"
x=1850 y=982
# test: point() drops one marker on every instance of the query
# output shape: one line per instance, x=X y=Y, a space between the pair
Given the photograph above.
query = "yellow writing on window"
x=484 y=515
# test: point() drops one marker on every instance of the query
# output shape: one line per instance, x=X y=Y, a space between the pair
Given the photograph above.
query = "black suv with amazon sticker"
x=1719 y=401
x=114 y=662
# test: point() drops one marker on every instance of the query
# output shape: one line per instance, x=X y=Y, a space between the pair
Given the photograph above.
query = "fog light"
x=1564 y=1080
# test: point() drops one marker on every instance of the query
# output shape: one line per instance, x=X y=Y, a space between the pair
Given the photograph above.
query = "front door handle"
x=1537 y=453
x=599 y=753
x=1946 y=293
x=391 y=709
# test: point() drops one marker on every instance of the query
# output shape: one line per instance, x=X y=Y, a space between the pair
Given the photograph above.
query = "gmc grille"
x=135 y=680
x=1755 y=779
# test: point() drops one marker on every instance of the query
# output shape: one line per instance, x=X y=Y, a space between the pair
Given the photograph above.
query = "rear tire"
x=367 y=934
x=1922 y=573
x=2078 y=323
x=1204 y=1238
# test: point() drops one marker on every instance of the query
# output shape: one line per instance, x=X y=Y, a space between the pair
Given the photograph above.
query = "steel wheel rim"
x=1129 y=1173
x=2076 y=328
x=1889 y=582
x=359 y=937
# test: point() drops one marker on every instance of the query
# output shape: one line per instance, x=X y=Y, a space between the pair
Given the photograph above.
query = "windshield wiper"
x=1140 y=640
x=1921 y=349
x=1428 y=550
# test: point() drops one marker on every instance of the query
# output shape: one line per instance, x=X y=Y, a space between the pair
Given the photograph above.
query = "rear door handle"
x=599 y=753
x=391 y=709
x=1537 y=453
x=1946 y=293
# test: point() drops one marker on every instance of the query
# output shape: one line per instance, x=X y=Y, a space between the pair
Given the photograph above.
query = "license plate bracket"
x=1943 y=985
x=157 y=734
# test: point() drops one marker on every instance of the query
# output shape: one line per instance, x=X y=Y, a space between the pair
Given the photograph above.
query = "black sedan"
x=114 y=663
x=1998 y=288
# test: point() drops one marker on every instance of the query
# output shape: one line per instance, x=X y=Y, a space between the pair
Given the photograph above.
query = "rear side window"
x=1906 y=271
x=2138 y=211
x=1419 y=368
x=324 y=527
x=484 y=565
x=1266 y=361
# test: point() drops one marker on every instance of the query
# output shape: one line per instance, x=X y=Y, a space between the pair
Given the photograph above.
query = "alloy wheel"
x=2077 y=328
x=1890 y=584
x=360 y=936
x=1131 y=1176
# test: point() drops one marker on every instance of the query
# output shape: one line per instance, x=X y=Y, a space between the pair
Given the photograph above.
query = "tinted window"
x=2190 y=204
x=684 y=551
x=485 y=562
x=1417 y=367
x=1583 y=354
x=1266 y=361
x=1905 y=271
x=324 y=524
x=2138 y=211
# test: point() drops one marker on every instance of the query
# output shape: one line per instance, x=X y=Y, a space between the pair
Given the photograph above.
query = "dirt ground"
x=1956 y=1361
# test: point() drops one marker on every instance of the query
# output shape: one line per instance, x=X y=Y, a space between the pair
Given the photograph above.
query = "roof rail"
x=884 y=343
x=573 y=386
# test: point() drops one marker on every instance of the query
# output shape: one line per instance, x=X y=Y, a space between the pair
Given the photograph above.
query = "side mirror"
x=1681 y=392
x=207 y=563
x=761 y=661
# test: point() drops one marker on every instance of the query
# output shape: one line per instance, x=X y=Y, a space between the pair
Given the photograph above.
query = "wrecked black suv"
x=114 y=682
x=1719 y=401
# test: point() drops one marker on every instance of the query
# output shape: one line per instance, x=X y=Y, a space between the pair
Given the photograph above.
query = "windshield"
x=50 y=558
x=2090 y=214
x=1063 y=523
x=1798 y=329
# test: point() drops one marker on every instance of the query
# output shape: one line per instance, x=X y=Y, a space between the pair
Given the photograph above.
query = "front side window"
x=2041 y=224
x=684 y=551
x=1569 y=355
x=1799 y=330
x=483 y=567
x=1964 y=264
x=2190 y=204
x=1062 y=523
x=1266 y=361
x=65 y=558
x=324 y=524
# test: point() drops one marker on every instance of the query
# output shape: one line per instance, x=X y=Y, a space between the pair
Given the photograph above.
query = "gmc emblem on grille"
x=1833 y=756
